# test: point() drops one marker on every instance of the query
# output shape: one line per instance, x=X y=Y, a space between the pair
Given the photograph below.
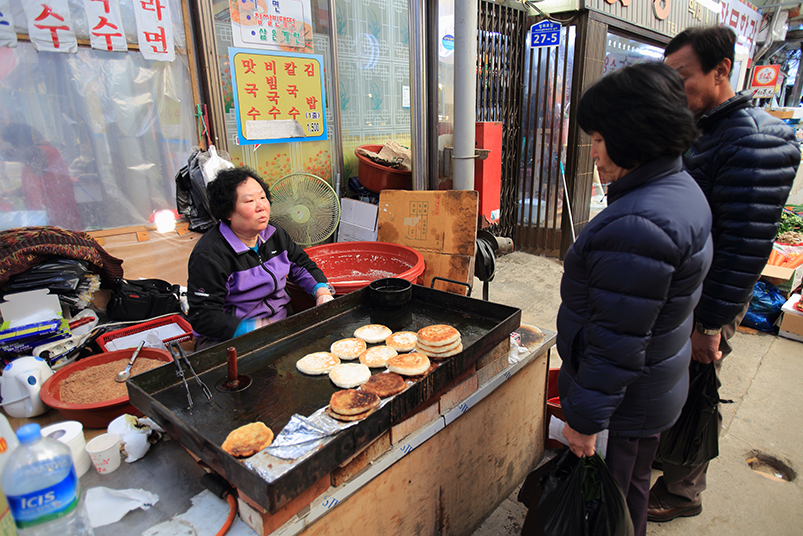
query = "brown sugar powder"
x=97 y=384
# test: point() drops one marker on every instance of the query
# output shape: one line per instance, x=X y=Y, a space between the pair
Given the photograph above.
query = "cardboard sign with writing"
x=441 y=225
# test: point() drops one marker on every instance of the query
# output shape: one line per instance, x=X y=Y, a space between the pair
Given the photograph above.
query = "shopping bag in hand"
x=694 y=438
x=579 y=497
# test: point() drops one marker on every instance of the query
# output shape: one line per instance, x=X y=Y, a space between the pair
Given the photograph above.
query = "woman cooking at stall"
x=239 y=269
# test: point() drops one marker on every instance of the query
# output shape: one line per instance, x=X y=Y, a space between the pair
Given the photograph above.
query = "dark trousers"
x=630 y=460
x=681 y=485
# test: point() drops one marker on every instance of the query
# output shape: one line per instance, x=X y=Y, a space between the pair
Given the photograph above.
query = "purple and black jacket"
x=229 y=282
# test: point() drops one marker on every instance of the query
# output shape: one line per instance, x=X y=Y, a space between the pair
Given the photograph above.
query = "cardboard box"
x=792 y=320
x=441 y=225
x=358 y=221
x=785 y=279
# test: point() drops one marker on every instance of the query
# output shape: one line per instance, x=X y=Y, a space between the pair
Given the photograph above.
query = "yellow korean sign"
x=278 y=96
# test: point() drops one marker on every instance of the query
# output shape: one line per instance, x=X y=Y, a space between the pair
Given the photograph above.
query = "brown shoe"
x=658 y=511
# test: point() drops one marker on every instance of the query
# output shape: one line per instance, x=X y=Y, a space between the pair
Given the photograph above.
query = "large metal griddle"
x=278 y=391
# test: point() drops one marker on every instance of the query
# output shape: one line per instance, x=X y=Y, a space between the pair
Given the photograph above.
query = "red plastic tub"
x=376 y=177
x=98 y=414
x=350 y=266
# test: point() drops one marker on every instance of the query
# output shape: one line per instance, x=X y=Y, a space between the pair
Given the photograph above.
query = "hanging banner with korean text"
x=50 y=26
x=154 y=30
x=272 y=24
x=745 y=21
x=105 y=25
x=278 y=96
x=8 y=37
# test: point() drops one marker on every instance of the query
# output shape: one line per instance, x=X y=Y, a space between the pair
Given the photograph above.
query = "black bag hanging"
x=143 y=299
x=579 y=497
x=694 y=438
x=191 y=199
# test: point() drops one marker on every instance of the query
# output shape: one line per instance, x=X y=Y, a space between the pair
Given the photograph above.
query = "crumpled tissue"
x=133 y=434
x=106 y=506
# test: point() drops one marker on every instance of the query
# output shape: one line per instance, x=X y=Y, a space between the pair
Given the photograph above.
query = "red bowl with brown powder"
x=97 y=414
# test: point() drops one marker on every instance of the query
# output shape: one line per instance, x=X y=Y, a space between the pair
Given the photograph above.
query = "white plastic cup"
x=104 y=451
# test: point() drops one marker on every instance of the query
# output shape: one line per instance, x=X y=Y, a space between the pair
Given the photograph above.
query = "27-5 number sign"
x=545 y=34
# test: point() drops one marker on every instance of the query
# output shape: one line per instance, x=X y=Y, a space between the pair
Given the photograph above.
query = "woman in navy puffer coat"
x=633 y=277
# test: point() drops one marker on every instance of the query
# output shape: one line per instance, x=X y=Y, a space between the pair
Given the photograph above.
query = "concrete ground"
x=763 y=378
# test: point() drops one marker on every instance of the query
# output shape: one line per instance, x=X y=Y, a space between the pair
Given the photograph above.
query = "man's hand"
x=580 y=444
x=705 y=348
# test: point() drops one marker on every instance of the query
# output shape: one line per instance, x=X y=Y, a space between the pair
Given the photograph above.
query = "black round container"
x=390 y=292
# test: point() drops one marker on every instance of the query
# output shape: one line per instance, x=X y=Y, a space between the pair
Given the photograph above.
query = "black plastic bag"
x=765 y=307
x=694 y=438
x=578 y=497
x=143 y=299
x=191 y=199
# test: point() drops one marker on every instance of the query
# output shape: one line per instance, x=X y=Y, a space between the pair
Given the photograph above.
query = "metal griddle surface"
x=278 y=390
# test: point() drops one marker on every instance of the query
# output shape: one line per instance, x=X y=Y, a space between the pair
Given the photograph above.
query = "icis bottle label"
x=47 y=504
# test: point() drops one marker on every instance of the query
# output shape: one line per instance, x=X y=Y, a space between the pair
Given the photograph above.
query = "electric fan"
x=306 y=207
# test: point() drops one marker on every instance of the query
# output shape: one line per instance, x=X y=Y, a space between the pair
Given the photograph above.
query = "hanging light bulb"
x=165 y=221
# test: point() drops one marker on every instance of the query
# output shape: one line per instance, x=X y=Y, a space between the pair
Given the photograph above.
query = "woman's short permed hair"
x=222 y=191
x=641 y=112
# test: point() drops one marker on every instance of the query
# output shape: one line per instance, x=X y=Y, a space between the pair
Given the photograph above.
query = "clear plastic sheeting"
x=91 y=140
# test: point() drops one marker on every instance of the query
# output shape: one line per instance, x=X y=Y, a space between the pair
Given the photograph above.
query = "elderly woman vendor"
x=239 y=269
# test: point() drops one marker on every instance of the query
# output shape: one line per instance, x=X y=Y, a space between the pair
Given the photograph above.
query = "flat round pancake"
x=438 y=335
x=384 y=384
x=377 y=356
x=373 y=333
x=402 y=341
x=409 y=364
x=248 y=440
x=353 y=402
x=438 y=349
x=348 y=349
x=350 y=375
x=317 y=363
x=442 y=355
x=349 y=418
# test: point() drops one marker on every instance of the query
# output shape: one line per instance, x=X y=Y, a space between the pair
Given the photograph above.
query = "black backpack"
x=142 y=299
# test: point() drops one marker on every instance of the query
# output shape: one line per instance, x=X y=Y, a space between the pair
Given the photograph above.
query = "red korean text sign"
x=278 y=96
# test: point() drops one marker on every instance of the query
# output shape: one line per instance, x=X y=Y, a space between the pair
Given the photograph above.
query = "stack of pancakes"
x=439 y=342
x=352 y=405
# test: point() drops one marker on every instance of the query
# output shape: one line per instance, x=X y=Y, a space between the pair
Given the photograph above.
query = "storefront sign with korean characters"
x=765 y=77
x=278 y=96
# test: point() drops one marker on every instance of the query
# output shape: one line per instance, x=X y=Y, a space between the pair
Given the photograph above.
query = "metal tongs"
x=180 y=351
x=180 y=373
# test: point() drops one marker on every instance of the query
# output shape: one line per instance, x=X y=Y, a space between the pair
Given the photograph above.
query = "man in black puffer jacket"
x=745 y=163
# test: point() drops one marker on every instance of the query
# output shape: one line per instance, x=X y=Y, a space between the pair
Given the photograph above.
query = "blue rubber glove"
x=247 y=325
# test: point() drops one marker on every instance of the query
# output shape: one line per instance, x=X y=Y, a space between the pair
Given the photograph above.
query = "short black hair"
x=222 y=191
x=711 y=45
x=641 y=112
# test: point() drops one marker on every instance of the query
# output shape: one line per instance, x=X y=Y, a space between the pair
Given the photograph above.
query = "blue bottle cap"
x=29 y=433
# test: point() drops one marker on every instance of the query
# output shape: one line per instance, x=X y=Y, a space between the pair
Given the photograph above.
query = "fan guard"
x=305 y=206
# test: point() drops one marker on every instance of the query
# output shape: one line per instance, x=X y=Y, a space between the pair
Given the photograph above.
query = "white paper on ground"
x=556 y=432
x=204 y=518
x=108 y=506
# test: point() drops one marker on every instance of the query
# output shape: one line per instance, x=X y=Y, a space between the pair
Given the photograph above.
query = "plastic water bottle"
x=42 y=488
x=8 y=442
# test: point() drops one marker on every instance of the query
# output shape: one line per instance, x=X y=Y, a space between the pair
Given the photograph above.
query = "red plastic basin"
x=376 y=177
x=350 y=266
x=98 y=414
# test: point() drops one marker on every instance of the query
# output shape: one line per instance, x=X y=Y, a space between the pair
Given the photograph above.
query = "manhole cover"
x=770 y=467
